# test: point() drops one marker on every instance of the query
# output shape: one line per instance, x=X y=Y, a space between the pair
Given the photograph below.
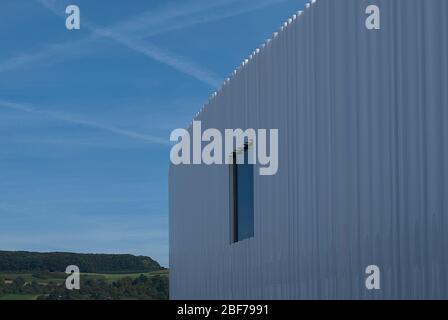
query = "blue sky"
x=85 y=116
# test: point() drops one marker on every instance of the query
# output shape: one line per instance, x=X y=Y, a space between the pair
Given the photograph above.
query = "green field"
x=19 y=297
x=60 y=277
x=28 y=277
x=113 y=277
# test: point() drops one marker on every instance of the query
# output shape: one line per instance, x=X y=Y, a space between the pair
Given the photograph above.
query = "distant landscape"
x=41 y=276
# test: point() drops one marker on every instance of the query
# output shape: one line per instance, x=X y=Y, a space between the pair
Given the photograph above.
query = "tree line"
x=26 y=262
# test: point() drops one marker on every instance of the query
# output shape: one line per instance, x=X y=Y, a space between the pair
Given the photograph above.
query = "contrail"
x=177 y=62
x=87 y=123
x=166 y=20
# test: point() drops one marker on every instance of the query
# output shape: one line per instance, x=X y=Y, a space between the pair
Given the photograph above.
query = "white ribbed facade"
x=363 y=163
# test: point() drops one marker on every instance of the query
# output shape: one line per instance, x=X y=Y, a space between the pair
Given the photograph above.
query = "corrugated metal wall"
x=363 y=128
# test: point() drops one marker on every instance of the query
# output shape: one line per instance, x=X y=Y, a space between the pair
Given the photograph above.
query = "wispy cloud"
x=129 y=32
x=177 y=62
x=54 y=6
x=50 y=53
x=88 y=123
x=221 y=11
x=121 y=34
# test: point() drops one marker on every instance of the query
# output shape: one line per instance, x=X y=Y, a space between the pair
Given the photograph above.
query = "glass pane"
x=245 y=200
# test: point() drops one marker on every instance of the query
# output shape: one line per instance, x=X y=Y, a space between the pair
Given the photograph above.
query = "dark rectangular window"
x=242 y=197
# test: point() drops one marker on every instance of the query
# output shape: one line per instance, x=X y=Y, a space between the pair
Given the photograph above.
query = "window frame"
x=234 y=214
